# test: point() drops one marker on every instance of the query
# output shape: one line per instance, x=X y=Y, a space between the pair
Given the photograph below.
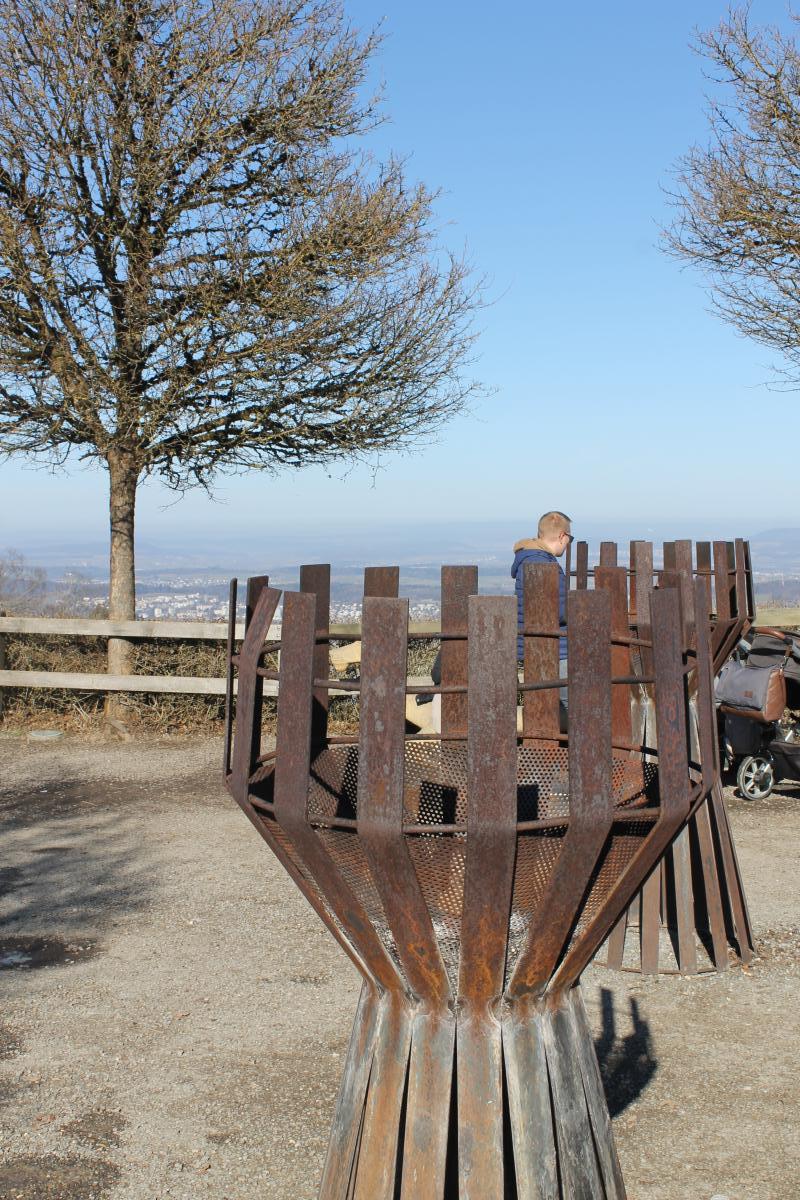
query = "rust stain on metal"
x=472 y=876
x=540 y=709
x=691 y=914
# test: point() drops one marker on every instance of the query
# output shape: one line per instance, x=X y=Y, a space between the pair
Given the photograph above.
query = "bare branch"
x=197 y=266
x=200 y=271
x=738 y=199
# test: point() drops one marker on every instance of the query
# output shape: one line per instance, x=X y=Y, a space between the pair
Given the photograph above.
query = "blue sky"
x=614 y=391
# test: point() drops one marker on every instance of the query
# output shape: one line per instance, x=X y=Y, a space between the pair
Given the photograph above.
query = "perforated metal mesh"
x=346 y=851
x=439 y=864
x=435 y=790
x=626 y=839
x=435 y=794
x=333 y=783
x=273 y=830
x=537 y=854
x=435 y=785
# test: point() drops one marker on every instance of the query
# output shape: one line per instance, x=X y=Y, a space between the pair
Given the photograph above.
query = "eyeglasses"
x=568 y=536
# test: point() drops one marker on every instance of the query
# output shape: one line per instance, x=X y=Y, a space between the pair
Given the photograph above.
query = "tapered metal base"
x=470 y=878
x=471 y=1107
x=691 y=915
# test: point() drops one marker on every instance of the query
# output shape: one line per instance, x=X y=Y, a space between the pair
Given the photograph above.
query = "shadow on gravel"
x=98 y=1128
x=61 y=801
x=69 y=868
x=46 y=1177
x=626 y=1064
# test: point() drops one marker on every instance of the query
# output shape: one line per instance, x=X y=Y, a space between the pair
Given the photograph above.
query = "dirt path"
x=174 y=1019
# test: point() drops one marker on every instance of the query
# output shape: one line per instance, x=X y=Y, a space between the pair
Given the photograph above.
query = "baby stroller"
x=758 y=698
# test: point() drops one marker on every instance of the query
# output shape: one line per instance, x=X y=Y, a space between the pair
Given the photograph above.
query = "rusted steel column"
x=381 y=581
x=642 y=565
x=614 y=581
x=468 y=890
x=316 y=579
x=750 y=598
x=691 y=915
x=677 y=867
x=423 y=1049
x=591 y=805
x=458 y=583
x=540 y=709
x=608 y=554
x=581 y=565
x=623 y=699
x=724 y=593
x=488 y=882
x=705 y=572
x=247 y=745
x=683 y=569
x=255 y=586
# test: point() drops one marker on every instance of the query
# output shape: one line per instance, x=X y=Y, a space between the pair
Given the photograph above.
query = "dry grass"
x=76 y=711
x=779 y=618
x=156 y=713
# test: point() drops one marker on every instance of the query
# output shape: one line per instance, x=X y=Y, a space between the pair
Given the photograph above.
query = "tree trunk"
x=123 y=478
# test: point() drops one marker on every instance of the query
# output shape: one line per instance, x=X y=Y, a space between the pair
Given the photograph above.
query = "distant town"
x=205 y=606
x=190 y=582
x=206 y=599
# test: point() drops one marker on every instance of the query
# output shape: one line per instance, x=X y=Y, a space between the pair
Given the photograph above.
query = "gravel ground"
x=174 y=1019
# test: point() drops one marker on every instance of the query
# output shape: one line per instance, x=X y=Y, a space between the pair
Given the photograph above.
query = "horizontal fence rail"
x=191 y=684
x=208 y=631
x=150 y=631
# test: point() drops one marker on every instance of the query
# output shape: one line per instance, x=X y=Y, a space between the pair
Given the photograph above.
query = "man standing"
x=553 y=537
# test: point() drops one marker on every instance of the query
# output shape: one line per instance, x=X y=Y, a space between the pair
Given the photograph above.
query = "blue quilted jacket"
x=530 y=552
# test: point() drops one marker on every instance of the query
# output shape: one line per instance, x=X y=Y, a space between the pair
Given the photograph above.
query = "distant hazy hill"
x=776 y=550
x=417 y=547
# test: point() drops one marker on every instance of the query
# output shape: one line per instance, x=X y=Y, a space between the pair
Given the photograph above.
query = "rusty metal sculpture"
x=471 y=877
x=691 y=915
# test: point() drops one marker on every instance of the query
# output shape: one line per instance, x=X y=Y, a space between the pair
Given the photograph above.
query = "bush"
x=156 y=712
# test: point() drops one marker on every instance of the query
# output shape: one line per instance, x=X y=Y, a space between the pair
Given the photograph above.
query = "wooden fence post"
x=2 y=659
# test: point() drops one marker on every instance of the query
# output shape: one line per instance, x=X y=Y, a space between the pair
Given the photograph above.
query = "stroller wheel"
x=756 y=777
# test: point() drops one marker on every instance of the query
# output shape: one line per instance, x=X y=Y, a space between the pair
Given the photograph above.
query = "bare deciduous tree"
x=199 y=269
x=739 y=197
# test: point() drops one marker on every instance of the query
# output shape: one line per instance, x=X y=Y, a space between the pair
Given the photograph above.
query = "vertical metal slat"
x=540 y=709
x=316 y=580
x=590 y=794
x=488 y=882
x=458 y=583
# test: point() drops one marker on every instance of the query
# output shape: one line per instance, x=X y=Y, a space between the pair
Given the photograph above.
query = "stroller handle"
x=791 y=648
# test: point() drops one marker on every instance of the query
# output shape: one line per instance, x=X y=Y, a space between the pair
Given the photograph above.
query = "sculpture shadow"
x=73 y=863
x=627 y=1064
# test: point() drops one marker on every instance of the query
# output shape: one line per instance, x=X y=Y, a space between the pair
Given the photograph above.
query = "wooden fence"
x=206 y=631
